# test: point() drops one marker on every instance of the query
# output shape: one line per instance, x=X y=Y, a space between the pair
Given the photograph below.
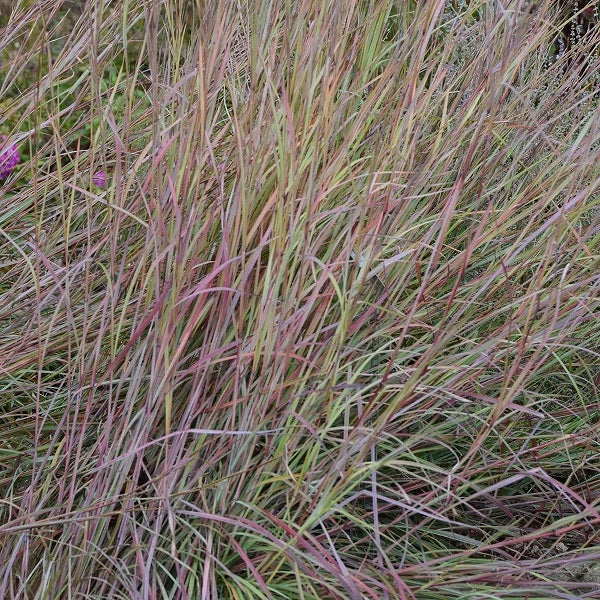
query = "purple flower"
x=9 y=158
x=99 y=178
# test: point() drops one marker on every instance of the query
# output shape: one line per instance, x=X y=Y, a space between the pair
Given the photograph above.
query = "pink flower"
x=9 y=158
x=99 y=178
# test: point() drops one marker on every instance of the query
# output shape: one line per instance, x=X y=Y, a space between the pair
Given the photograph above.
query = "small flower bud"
x=99 y=178
x=9 y=158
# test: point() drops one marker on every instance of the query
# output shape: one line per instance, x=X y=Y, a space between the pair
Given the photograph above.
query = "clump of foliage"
x=327 y=324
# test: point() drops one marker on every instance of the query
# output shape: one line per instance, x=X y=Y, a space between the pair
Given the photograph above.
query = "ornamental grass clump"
x=332 y=329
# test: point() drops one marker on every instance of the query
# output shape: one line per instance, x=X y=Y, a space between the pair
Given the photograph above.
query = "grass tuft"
x=299 y=300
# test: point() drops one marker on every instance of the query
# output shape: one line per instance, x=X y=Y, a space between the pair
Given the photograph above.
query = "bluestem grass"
x=330 y=332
